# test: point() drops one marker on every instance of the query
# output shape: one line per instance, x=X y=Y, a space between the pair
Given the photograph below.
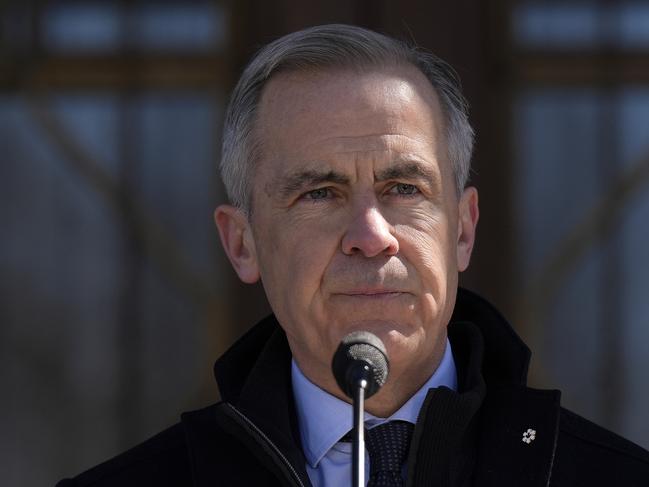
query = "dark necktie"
x=388 y=446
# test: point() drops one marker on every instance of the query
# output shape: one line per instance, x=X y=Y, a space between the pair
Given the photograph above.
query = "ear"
x=236 y=237
x=466 y=226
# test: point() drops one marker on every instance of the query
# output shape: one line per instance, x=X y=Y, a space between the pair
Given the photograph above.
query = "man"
x=346 y=156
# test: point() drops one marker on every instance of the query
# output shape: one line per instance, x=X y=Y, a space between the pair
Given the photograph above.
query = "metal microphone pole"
x=358 y=440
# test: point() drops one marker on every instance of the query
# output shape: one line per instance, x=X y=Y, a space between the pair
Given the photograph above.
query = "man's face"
x=356 y=224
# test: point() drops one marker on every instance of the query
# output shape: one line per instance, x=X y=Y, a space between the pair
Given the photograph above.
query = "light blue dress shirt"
x=324 y=420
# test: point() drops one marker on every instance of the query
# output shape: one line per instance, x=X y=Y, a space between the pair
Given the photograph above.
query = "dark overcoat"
x=478 y=436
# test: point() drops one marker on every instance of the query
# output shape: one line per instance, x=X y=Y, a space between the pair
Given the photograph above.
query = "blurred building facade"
x=115 y=297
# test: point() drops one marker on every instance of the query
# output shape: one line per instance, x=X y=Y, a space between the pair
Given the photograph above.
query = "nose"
x=370 y=234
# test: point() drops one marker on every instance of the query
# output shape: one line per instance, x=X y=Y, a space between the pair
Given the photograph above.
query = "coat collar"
x=506 y=357
x=510 y=409
x=265 y=396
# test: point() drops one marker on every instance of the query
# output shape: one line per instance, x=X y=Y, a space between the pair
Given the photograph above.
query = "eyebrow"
x=408 y=170
x=298 y=181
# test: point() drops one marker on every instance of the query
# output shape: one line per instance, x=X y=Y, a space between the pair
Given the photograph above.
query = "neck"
x=399 y=388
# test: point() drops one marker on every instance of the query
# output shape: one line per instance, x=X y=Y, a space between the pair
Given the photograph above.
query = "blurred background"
x=115 y=297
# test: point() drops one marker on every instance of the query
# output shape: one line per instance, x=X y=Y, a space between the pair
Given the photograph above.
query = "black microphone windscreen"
x=360 y=353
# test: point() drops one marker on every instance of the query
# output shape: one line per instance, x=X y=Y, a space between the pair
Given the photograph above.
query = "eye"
x=318 y=194
x=404 y=189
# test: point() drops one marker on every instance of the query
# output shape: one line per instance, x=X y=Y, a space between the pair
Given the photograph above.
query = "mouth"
x=372 y=293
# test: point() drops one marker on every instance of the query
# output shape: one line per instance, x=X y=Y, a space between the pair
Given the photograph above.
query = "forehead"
x=310 y=117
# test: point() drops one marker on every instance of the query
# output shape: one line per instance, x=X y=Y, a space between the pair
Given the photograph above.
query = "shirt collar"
x=324 y=418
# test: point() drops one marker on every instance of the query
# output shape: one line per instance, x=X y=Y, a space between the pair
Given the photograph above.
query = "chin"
x=400 y=343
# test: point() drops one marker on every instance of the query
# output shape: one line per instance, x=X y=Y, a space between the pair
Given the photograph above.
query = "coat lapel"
x=519 y=436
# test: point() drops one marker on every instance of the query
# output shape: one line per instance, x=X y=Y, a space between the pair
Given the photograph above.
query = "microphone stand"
x=360 y=367
x=358 y=435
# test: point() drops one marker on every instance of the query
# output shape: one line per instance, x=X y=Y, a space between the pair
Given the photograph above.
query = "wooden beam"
x=115 y=72
x=581 y=68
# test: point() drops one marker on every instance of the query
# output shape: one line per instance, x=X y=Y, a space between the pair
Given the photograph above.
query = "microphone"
x=360 y=366
x=360 y=356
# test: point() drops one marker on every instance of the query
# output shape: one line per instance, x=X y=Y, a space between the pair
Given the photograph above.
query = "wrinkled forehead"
x=288 y=92
x=299 y=108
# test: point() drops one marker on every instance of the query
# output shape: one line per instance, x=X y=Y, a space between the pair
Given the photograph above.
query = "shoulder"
x=588 y=454
x=161 y=460
x=198 y=449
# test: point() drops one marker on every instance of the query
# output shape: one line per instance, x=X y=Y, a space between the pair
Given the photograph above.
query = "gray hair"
x=333 y=46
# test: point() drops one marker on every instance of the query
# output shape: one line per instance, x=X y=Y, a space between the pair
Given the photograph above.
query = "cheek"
x=426 y=245
x=293 y=257
x=428 y=258
x=429 y=239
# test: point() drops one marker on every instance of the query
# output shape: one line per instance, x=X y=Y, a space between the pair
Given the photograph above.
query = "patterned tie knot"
x=388 y=445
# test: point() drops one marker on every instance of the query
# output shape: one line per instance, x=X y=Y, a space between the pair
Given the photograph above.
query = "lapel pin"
x=529 y=436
